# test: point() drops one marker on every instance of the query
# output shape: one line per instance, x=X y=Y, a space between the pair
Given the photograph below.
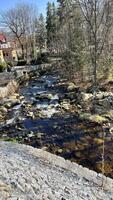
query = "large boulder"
x=99 y=102
x=85 y=100
x=71 y=86
x=102 y=102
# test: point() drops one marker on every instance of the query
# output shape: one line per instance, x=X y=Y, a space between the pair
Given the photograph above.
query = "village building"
x=7 y=52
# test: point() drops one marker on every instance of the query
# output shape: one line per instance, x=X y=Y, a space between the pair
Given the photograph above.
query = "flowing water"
x=45 y=118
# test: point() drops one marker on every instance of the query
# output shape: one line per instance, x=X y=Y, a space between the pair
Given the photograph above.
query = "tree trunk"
x=22 y=48
x=95 y=41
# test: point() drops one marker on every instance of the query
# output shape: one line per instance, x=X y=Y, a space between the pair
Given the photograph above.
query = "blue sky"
x=41 y=4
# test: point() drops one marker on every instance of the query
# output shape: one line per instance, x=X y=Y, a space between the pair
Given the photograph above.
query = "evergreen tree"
x=72 y=34
x=51 y=26
x=41 y=32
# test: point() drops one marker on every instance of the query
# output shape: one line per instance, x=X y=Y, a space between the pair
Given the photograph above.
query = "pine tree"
x=41 y=32
x=72 y=34
x=51 y=26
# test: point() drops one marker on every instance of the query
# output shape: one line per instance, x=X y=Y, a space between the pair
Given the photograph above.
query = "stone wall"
x=9 y=89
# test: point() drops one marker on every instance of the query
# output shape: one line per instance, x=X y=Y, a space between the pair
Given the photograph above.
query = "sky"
x=41 y=4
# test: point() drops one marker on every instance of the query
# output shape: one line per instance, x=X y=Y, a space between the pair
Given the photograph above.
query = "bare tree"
x=19 y=20
x=97 y=20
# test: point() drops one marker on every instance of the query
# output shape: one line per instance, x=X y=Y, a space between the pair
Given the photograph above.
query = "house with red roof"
x=7 y=52
x=2 y=38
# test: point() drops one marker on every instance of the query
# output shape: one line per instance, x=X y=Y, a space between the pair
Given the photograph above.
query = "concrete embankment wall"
x=9 y=89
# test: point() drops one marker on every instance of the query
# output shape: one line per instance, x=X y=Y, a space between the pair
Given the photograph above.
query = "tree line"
x=78 y=31
x=81 y=31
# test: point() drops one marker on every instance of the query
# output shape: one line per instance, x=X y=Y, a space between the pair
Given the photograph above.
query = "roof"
x=2 y=37
x=6 y=49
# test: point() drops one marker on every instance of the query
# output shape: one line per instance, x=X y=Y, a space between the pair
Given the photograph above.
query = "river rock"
x=17 y=107
x=72 y=96
x=11 y=103
x=47 y=96
x=85 y=100
x=31 y=115
x=30 y=135
x=109 y=114
x=86 y=96
x=71 y=86
x=111 y=130
x=50 y=96
x=60 y=150
x=1 y=116
x=10 y=121
x=65 y=105
x=21 y=97
x=94 y=118
x=7 y=105
x=3 y=109
x=49 y=112
x=99 y=88
x=103 y=105
x=100 y=102
x=39 y=135
x=14 y=96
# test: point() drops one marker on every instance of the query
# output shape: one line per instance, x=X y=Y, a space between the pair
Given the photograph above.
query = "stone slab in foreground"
x=27 y=173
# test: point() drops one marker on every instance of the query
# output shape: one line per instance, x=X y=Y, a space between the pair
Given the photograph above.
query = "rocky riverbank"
x=10 y=81
x=28 y=173
x=54 y=114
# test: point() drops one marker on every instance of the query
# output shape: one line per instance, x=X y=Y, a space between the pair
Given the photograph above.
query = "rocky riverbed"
x=50 y=113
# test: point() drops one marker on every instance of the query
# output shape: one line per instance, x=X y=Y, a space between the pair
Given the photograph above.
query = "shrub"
x=10 y=63
x=39 y=60
x=2 y=66
x=22 y=62
x=33 y=62
x=42 y=58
